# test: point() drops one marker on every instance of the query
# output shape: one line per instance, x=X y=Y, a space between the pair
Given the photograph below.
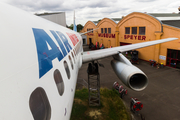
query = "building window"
x=105 y=30
x=39 y=105
x=134 y=30
x=71 y=62
x=89 y=29
x=101 y=30
x=67 y=69
x=109 y=30
x=142 y=30
x=127 y=30
x=59 y=82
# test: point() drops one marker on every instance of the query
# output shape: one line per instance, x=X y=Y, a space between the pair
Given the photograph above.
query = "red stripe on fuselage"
x=73 y=38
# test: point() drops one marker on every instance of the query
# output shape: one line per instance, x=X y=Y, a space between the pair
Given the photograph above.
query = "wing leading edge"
x=98 y=54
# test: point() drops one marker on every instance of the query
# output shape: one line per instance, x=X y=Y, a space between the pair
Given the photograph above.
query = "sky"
x=94 y=10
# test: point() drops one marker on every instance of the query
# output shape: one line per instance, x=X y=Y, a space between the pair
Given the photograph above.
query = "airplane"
x=40 y=62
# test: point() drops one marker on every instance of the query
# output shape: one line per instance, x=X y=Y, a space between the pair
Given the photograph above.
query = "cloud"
x=38 y=5
x=145 y=0
x=95 y=9
x=57 y=5
x=174 y=4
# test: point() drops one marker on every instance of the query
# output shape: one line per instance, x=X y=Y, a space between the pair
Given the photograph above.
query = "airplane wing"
x=98 y=54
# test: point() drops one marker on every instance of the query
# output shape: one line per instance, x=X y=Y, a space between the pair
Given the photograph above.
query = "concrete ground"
x=161 y=99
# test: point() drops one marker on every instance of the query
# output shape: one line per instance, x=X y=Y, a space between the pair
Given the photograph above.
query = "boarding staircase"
x=93 y=84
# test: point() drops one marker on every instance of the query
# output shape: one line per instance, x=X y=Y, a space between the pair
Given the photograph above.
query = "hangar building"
x=139 y=27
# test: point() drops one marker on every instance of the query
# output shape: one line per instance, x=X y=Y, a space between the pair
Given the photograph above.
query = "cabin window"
x=74 y=53
x=39 y=105
x=134 y=30
x=71 y=62
x=127 y=30
x=67 y=69
x=73 y=57
x=59 y=82
x=101 y=30
x=109 y=30
x=142 y=30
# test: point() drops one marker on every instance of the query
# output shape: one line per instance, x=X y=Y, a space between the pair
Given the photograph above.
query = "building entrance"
x=173 y=58
x=90 y=41
x=84 y=41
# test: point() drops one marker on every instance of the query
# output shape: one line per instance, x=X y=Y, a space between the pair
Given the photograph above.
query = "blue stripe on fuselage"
x=59 y=42
x=65 y=41
x=45 y=56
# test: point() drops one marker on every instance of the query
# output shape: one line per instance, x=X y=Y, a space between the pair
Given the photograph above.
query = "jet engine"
x=130 y=75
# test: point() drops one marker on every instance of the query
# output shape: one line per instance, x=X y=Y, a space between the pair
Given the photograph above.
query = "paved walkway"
x=161 y=99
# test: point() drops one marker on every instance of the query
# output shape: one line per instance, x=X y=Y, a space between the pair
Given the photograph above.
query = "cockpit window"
x=67 y=69
x=39 y=105
x=59 y=82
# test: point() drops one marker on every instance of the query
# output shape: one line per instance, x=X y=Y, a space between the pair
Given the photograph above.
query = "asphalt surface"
x=161 y=99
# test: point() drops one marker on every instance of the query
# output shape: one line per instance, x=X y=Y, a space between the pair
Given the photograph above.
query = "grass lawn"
x=111 y=108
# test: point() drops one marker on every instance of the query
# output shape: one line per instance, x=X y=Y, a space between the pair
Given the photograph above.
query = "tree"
x=71 y=26
x=99 y=20
x=79 y=27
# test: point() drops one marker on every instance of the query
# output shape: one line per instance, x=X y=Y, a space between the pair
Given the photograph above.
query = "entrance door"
x=84 y=41
x=90 y=40
x=173 y=58
x=109 y=43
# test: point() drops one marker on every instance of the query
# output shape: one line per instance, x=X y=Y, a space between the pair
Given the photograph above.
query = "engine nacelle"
x=130 y=75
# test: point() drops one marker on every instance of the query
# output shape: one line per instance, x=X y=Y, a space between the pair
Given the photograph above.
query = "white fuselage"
x=21 y=64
